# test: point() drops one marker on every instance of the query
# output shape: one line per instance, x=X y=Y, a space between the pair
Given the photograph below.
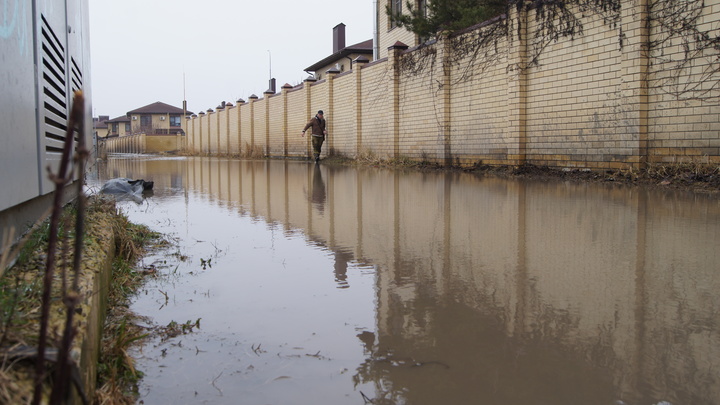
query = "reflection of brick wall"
x=588 y=103
x=144 y=144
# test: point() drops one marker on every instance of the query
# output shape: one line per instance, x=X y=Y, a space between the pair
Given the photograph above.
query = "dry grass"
x=21 y=289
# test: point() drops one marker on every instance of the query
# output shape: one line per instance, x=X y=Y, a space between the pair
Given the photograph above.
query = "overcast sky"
x=143 y=51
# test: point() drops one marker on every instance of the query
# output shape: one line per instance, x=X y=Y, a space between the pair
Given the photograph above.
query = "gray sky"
x=140 y=49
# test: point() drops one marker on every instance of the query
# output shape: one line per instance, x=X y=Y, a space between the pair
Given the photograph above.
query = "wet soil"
x=696 y=177
x=691 y=179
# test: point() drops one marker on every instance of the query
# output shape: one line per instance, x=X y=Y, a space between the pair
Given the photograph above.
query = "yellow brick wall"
x=376 y=113
x=479 y=107
x=420 y=116
x=683 y=125
x=344 y=127
x=233 y=128
x=586 y=102
x=296 y=120
x=573 y=99
x=246 y=137
x=202 y=133
x=222 y=117
x=277 y=130
x=259 y=126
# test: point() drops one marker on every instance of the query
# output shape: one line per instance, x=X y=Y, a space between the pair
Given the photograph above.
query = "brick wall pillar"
x=284 y=89
x=330 y=74
x=394 y=54
x=253 y=98
x=307 y=88
x=227 y=129
x=442 y=73
x=201 y=144
x=360 y=63
x=189 y=134
x=208 y=119
x=267 y=94
x=635 y=21
x=218 y=146
x=239 y=107
x=517 y=88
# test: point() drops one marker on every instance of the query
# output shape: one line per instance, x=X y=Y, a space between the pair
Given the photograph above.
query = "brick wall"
x=616 y=96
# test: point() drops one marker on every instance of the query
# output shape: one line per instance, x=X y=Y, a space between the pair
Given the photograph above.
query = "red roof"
x=158 y=108
x=122 y=118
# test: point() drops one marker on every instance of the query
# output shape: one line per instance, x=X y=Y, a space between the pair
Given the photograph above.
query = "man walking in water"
x=317 y=123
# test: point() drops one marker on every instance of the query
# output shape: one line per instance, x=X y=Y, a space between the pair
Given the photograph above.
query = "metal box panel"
x=19 y=171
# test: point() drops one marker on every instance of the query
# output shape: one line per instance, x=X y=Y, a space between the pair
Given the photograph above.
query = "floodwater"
x=315 y=284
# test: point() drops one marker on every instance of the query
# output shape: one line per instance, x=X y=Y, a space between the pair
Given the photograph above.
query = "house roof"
x=158 y=108
x=365 y=47
x=122 y=118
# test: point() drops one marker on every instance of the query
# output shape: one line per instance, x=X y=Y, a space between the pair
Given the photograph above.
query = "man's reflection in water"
x=318 y=190
x=341 y=265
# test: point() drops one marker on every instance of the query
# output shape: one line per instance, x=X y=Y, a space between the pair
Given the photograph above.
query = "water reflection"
x=489 y=290
x=318 y=189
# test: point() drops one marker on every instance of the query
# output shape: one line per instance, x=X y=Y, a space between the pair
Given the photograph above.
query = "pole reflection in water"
x=344 y=285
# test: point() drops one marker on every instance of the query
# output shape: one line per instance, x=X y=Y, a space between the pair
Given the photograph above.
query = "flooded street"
x=316 y=284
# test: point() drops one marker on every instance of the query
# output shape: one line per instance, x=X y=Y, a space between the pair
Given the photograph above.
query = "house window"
x=114 y=127
x=127 y=127
x=395 y=8
x=422 y=7
x=145 y=121
x=174 y=120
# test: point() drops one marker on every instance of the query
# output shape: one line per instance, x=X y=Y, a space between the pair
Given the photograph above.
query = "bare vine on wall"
x=684 y=54
x=473 y=52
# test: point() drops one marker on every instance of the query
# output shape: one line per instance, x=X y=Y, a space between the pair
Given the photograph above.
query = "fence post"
x=267 y=94
x=308 y=112
x=239 y=103
x=253 y=98
x=201 y=116
x=517 y=89
x=443 y=103
x=331 y=73
x=359 y=64
x=394 y=53
x=285 y=88
x=635 y=65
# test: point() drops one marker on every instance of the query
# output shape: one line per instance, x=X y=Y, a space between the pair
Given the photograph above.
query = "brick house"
x=153 y=119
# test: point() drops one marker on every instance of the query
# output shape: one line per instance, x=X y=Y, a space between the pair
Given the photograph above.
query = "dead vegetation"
x=696 y=175
x=20 y=302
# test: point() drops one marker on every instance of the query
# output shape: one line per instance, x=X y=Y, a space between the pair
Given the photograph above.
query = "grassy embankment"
x=109 y=237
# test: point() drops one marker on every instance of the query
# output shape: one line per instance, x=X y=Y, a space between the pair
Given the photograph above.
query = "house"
x=119 y=126
x=343 y=56
x=153 y=119
x=387 y=32
x=100 y=125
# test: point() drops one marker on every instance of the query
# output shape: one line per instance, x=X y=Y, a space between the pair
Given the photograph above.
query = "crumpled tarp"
x=132 y=189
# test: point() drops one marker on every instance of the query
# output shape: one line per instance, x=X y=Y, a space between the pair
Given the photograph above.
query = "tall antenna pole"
x=270 y=59
x=183 y=120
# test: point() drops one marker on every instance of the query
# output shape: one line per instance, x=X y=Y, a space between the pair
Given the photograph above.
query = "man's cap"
x=320 y=112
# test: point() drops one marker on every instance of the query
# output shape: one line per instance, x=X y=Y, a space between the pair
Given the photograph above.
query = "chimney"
x=338 y=37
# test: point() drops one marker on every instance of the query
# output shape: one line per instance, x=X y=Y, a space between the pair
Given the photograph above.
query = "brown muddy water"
x=319 y=284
